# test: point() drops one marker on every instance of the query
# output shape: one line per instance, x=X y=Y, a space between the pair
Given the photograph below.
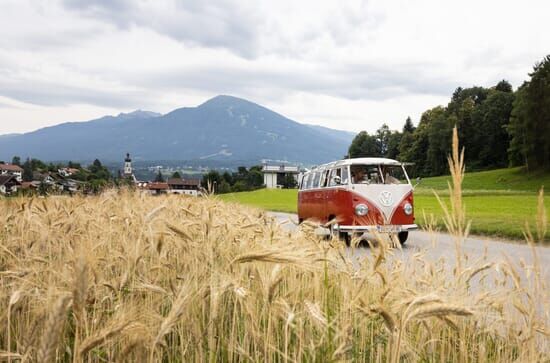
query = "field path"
x=437 y=245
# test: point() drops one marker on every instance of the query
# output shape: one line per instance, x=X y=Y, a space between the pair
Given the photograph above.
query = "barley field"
x=128 y=277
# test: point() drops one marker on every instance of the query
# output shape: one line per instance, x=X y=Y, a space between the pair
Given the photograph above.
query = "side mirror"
x=418 y=181
x=337 y=180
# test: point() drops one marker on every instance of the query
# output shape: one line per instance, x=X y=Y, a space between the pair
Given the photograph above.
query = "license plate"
x=388 y=229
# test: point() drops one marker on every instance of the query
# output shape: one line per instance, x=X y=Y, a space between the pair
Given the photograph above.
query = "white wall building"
x=11 y=169
x=275 y=173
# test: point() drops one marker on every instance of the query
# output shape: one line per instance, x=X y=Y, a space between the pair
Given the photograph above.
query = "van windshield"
x=378 y=174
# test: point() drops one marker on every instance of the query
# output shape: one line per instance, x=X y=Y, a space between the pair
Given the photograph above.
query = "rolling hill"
x=224 y=128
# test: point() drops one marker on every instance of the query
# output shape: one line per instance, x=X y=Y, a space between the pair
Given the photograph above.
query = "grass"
x=494 y=212
x=511 y=179
x=277 y=200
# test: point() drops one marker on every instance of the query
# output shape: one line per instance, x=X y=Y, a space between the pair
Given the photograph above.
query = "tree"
x=176 y=175
x=27 y=170
x=239 y=186
x=98 y=172
x=439 y=141
x=74 y=165
x=529 y=127
x=408 y=127
x=382 y=140
x=159 y=178
x=96 y=166
x=289 y=182
x=228 y=178
x=517 y=150
x=255 y=177
x=405 y=146
x=492 y=139
x=406 y=141
x=16 y=161
x=504 y=86
x=392 y=147
x=418 y=151
x=363 y=145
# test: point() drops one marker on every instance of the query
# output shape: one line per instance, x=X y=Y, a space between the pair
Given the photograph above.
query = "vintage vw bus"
x=359 y=196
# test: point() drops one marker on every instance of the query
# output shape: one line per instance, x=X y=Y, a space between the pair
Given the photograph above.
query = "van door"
x=317 y=203
x=324 y=195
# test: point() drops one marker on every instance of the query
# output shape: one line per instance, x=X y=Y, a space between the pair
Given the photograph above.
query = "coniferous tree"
x=27 y=170
x=408 y=127
x=529 y=127
x=159 y=178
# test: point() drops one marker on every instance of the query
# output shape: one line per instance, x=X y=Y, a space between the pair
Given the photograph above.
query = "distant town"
x=35 y=177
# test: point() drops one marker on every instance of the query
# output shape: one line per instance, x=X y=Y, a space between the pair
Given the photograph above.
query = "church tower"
x=128 y=172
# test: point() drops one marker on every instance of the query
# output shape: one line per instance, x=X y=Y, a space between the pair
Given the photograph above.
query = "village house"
x=172 y=186
x=9 y=184
x=275 y=174
x=184 y=186
x=11 y=169
x=156 y=188
x=68 y=185
x=67 y=172
x=46 y=178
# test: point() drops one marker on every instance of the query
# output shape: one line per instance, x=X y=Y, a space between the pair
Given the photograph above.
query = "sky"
x=350 y=65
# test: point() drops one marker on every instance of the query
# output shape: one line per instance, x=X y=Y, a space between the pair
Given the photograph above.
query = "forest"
x=498 y=127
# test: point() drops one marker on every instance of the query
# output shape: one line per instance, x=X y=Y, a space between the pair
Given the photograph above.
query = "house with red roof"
x=12 y=169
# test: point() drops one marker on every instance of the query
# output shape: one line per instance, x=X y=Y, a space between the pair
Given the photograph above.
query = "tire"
x=402 y=236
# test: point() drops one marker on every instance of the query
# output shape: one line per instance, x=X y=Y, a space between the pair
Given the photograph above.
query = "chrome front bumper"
x=376 y=228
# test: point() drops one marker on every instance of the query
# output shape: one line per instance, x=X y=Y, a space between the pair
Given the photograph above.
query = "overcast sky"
x=343 y=64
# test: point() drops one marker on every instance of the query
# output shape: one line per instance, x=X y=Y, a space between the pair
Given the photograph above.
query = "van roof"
x=359 y=161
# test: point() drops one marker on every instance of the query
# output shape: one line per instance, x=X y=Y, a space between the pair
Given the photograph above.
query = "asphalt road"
x=437 y=245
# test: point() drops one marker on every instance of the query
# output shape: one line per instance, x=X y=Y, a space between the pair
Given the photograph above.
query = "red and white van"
x=359 y=196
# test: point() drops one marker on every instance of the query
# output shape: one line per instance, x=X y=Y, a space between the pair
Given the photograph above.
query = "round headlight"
x=408 y=209
x=361 y=209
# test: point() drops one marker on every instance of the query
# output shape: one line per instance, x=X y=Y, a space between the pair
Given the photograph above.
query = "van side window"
x=310 y=181
x=303 y=181
x=345 y=175
x=324 y=178
x=334 y=173
x=316 y=178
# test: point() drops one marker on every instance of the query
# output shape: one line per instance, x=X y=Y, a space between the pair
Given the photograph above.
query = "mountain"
x=5 y=136
x=223 y=128
x=345 y=136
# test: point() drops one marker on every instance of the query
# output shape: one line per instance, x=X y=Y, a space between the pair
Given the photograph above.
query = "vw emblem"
x=386 y=198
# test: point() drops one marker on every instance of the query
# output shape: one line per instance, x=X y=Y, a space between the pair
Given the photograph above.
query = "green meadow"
x=498 y=202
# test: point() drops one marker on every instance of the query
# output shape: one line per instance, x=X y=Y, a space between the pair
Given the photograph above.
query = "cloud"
x=58 y=94
x=346 y=81
x=351 y=64
x=226 y=24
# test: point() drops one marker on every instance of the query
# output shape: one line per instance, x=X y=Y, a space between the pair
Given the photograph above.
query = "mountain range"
x=224 y=128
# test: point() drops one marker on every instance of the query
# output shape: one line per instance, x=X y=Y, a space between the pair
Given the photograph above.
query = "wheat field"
x=128 y=277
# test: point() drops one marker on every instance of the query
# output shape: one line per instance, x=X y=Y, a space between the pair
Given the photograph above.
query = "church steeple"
x=128 y=172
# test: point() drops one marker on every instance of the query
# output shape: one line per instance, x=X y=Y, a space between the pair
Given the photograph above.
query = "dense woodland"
x=498 y=127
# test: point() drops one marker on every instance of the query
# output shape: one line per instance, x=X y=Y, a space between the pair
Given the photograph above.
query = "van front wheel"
x=402 y=236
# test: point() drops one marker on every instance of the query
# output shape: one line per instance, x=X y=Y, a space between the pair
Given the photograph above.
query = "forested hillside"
x=498 y=127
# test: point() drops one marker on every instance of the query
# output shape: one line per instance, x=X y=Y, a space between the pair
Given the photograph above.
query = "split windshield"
x=378 y=174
